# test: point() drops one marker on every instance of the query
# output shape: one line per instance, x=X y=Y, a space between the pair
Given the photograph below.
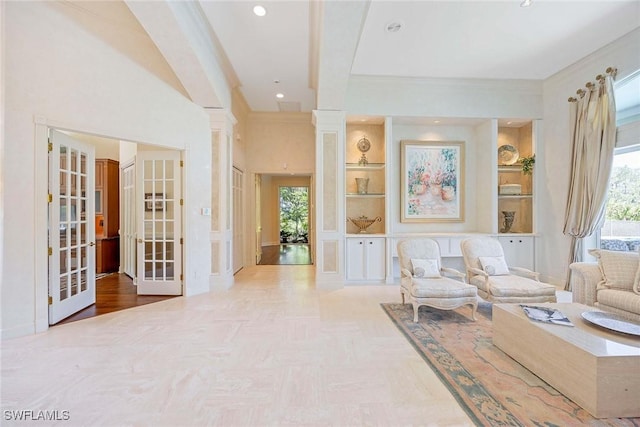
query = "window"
x=294 y=214
x=621 y=228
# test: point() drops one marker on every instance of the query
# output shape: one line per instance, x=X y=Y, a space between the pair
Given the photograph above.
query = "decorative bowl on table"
x=363 y=222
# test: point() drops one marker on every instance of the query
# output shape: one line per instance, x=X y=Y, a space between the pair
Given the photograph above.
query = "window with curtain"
x=621 y=228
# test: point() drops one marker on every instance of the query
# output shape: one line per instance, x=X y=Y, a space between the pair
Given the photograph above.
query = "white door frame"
x=41 y=208
x=128 y=221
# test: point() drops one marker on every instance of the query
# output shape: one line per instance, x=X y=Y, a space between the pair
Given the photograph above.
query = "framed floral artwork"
x=432 y=181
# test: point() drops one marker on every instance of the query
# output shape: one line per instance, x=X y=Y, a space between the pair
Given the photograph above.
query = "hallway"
x=272 y=350
x=286 y=254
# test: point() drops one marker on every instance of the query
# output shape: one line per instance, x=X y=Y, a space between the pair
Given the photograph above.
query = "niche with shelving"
x=365 y=172
x=515 y=186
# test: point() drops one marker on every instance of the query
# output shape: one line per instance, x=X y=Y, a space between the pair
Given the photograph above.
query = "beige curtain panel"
x=593 y=133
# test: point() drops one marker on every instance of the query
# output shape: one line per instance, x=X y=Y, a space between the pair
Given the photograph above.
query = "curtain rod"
x=590 y=85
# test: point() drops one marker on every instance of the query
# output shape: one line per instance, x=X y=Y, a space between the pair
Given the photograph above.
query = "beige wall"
x=276 y=144
x=280 y=143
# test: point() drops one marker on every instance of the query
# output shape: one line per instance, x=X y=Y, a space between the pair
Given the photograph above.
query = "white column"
x=221 y=121
x=330 y=210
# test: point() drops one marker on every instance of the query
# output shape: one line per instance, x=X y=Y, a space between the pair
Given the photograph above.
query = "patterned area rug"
x=491 y=387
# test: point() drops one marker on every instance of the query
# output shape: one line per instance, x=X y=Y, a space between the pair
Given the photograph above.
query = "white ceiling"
x=448 y=39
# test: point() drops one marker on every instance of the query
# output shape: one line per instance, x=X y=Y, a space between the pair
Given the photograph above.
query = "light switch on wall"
x=206 y=211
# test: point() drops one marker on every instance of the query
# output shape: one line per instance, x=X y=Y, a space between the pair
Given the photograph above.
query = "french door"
x=258 y=194
x=159 y=224
x=238 y=220
x=128 y=222
x=72 y=252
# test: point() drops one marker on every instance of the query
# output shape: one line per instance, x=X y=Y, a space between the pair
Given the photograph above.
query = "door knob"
x=139 y=240
x=92 y=243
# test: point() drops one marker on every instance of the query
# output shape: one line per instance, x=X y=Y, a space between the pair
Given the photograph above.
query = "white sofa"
x=612 y=284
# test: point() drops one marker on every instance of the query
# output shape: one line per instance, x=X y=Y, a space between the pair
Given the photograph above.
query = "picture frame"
x=432 y=181
x=153 y=202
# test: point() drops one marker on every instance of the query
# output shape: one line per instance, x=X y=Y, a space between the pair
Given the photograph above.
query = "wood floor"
x=114 y=292
x=286 y=254
x=273 y=350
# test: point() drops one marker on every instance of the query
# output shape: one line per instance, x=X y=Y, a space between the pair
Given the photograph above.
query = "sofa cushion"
x=636 y=282
x=618 y=268
x=513 y=286
x=622 y=300
x=441 y=288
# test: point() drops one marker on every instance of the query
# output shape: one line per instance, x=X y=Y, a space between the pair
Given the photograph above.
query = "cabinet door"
x=355 y=259
x=375 y=259
x=519 y=251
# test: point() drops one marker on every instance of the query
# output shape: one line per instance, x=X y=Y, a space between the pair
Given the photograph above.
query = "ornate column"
x=221 y=122
x=330 y=216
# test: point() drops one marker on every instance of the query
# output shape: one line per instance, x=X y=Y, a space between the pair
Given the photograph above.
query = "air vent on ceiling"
x=288 y=106
x=394 y=26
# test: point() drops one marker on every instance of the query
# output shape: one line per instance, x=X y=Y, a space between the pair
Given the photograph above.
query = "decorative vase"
x=362 y=184
x=436 y=189
x=419 y=189
x=509 y=216
x=448 y=193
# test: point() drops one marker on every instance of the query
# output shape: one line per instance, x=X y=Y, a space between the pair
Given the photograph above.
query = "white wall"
x=94 y=72
x=553 y=248
x=384 y=96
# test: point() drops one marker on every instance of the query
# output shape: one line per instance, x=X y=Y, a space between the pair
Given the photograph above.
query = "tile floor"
x=272 y=350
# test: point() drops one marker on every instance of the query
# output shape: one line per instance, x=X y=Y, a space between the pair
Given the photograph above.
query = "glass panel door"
x=159 y=223
x=71 y=227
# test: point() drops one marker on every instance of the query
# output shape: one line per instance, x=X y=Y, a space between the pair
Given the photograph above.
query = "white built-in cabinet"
x=366 y=257
x=519 y=250
x=492 y=187
x=365 y=190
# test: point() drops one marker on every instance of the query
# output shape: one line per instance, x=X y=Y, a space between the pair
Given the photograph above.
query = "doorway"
x=285 y=220
x=150 y=184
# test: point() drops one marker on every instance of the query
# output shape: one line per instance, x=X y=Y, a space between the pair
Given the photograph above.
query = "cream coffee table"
x=597 y=369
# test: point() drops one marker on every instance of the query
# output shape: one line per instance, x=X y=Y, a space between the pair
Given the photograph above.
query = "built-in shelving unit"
x=515 y=187
x=365 y=181
x=365 y=196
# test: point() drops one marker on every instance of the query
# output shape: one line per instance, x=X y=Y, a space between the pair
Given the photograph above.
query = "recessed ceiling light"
x=436 y=121
x=525 y=3
x=394 y=26
x=279 y=95
x=259 y=10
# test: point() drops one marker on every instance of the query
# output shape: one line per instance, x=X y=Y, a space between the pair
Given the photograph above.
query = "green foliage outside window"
x=624 y=194
x=294 y=214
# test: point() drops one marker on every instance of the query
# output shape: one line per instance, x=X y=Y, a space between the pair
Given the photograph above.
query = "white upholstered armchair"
x=423 y=282
x=497 y=282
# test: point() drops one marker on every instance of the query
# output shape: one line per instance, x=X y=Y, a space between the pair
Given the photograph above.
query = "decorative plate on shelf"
x=612 y=322
x=364 y=145
x=508 y=154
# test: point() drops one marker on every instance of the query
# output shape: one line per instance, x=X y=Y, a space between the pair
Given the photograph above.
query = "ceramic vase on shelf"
x=509 y=216
x=362 y=184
